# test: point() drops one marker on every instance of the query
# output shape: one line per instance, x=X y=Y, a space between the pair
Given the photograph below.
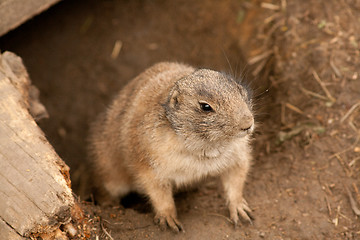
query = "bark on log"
x=15 y=12
x=35 y=194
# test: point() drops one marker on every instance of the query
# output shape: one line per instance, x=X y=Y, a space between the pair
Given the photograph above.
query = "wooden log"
x=35 y=193
x=7 y=232
x=15 y=12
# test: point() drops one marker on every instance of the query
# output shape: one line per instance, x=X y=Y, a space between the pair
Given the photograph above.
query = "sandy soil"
x=307 y=150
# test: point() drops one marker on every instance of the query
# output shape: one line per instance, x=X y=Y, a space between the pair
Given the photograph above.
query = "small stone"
x=71 y=230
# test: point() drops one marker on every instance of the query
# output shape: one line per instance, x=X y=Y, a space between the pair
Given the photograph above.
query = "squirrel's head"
x=209 y=106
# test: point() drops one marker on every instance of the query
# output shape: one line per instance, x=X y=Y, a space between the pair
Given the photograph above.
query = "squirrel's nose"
x=245 y=120
x=247 y=123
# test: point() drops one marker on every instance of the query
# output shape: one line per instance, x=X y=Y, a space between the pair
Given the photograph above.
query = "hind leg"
x=112 y=184
x=110 y=192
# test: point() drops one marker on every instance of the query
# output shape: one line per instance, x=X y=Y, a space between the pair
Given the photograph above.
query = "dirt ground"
x=302 y=59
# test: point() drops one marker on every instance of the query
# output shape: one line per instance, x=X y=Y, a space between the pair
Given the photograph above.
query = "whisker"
x=227 y=60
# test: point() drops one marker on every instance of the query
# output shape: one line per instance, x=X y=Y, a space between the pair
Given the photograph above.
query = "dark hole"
x=137 y=202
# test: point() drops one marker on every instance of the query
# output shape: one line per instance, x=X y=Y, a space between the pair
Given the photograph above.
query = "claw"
x=243 y=214
x=240 y=210
x=246 y=206
x=235 y=223
x=168 y=221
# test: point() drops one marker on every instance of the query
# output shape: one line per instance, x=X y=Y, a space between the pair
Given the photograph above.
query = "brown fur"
x=155 y=137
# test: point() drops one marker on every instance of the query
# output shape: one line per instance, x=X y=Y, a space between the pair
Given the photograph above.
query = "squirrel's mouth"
x=250 y=129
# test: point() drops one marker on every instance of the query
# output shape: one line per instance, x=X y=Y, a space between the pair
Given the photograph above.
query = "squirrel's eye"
x=206 y=107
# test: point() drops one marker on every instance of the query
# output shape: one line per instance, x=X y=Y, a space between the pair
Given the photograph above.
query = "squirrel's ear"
x=174 y=98
x=172 y=101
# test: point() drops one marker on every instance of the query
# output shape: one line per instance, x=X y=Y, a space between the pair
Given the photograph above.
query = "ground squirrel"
x=169 y=127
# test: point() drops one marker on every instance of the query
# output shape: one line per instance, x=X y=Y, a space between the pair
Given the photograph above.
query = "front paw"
x=167 y=220
x=240 y=209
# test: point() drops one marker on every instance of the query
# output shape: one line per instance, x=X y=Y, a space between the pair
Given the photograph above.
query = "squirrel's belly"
x=183 y=170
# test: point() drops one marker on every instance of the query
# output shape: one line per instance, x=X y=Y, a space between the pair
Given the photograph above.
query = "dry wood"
x=34 y=194
x=353 y=203
x=322 y=85
x=106 y=233
x=351 y=110
x=7 y=232
x=15 y=12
